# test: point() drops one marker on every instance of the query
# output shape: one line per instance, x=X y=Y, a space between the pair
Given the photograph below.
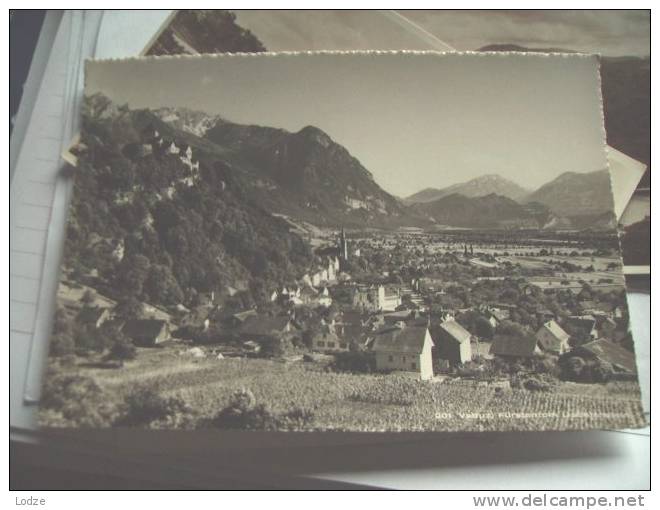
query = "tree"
x=62 y=323
x=129 y=308
x=144 y=406
x=574 y=368
x=243 y=412
x=121 y=349
x=132 y=273
x=89 y=339
x=61 y=344
x=509 y=328
x=73 y=400
x=476 y=324
x=161 y=286
x=483 y=328
x=88 y=297
x=586 y=293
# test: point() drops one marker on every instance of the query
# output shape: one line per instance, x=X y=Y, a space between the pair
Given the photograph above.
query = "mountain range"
x=306 y=175
x=572 y=200
x=477 y=187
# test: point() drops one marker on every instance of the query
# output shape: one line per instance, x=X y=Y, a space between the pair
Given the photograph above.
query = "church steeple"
x=343 y=245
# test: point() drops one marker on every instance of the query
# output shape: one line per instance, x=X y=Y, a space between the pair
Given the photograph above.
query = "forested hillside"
x=157 y=230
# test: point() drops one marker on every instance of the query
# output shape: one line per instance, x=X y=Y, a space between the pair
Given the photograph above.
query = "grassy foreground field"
x=341 y=401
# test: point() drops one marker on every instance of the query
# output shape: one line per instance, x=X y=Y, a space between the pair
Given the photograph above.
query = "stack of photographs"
x=273 y=230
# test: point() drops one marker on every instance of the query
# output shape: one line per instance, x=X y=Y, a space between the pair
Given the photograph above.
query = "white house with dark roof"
x=497 y=315
x=452 y=342
x=326 y=339
x=406 y=348
x=552 y=338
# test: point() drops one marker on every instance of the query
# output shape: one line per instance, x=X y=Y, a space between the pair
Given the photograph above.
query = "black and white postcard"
x=384 y=241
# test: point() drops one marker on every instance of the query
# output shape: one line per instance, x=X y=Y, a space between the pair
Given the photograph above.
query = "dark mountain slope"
x=490 y=211
x=573 y=194
x=181 y=232
x=204 y=31
x=310 y=176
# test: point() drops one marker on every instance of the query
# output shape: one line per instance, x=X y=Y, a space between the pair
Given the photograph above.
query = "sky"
x=606 y=32
x=414 y=121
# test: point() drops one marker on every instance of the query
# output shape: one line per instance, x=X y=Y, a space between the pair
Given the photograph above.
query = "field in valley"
x=374 y=402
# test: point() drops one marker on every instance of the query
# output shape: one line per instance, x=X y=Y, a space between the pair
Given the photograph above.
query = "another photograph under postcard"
x=343 y=241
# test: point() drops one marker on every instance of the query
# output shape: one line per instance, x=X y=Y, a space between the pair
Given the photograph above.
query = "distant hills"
x=307 y=176
x=489 y=211
x=570 y=201
x=477 y=187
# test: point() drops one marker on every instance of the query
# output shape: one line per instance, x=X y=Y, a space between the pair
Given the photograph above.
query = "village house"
x=496 y=315
x=376 y=298
x=552 y=338
x=544 y=314
x=352 y=325
x=312 y=297
x=585 y=323
x=401 y=315
x=155 y=312
x=306 y=295
x=323 y=298
x=509 y=347
x=236 y=320
x=328 y=340
x=604 y=351
x=150 y=134
x=147 y=332
x=605 y=324
x=452 y=342
x=406 y=348
x=612 y=310
x=430 y=285
x=262 y=327
x=208 y=298
x=326 y=273
x=93 y=316
x=587 y=306
x=293 y=296
x=199 y=317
